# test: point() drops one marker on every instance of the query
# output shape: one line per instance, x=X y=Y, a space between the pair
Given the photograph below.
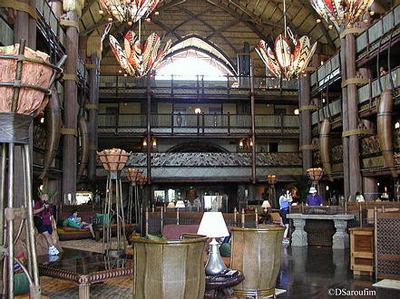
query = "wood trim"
x=19 y=6
x=351 y=31
x=356 y=81
x=357 y=132
x=308 y=107
x=69 y=23
x=308 y=147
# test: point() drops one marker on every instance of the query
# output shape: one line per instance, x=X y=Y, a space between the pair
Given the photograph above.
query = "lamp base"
x=215 y=264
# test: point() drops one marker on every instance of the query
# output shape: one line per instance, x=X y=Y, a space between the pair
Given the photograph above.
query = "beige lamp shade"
x=213 y=225
x=266 y=204
x=171 y=205
x=180 y=204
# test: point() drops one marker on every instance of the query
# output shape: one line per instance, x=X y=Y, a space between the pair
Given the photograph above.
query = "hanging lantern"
x=281 y=62
x=129 y=10
x=341 y=12
x=132 y=59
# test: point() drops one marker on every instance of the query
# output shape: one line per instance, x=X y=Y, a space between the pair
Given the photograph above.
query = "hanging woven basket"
x=113 y=159
x=26 y=77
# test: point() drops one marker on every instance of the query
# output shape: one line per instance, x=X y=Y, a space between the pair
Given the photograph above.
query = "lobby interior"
x=152 y=118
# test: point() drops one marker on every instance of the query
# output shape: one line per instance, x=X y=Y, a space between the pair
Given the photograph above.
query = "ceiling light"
x=101 y=12
x=148 y=20
x=281 y=61
x=397 y=125
x=341 y=13
x=197 y=110
x=157 y=13
x=132 y=58
x=318 y=20
x=129 y=10
x=296 y=111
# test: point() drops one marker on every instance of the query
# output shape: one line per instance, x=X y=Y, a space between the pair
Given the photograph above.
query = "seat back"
x=169 y=269
x=257 y=253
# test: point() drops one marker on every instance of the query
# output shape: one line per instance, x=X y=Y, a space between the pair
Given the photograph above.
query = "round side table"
x=221 y=286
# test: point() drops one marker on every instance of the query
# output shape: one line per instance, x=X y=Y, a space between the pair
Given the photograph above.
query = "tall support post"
x=94 y=52
x=305 y=121
x=345 y=121
x=24 y=28
x=253 y=126
x=352 y=108
x=70 y=110
x=149 y=143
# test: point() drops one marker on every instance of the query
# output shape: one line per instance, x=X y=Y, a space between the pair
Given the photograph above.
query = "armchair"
x=169 y=269
x=257 y=253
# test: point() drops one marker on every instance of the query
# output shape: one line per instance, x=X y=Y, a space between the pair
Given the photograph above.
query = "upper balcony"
x=174 y=87
x=213 y=125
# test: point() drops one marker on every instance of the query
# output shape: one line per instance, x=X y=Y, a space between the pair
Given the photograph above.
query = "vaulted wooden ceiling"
x=222 y=24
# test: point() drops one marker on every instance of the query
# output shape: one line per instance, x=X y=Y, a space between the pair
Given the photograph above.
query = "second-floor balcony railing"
x=198 y=124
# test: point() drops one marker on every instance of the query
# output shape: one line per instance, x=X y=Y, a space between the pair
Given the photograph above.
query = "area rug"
x=118 y=288
x=388 y=284
x=84 y=245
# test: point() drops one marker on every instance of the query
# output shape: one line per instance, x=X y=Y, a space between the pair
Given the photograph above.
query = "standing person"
x=314 y=199
x=81 y=224
x=359 y=197
x=284 y=201
x=43 y=214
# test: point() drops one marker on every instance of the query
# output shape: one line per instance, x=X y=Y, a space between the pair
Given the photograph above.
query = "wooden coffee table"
x=221 y=287
x=84 y=268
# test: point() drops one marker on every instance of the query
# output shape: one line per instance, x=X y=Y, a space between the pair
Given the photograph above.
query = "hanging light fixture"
x=281 y=62
x=135 y=61
x=341 y=12
x=129 y=10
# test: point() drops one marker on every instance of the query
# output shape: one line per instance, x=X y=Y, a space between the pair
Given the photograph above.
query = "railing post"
x=198 y=123
x=229 y=123
x=281 y=123
x=203 y=124
x=243 y=218
x=172 y=123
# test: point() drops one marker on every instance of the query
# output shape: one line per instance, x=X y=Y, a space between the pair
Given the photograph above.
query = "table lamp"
x=213 y=226
x=180 y=204
x=171 y=205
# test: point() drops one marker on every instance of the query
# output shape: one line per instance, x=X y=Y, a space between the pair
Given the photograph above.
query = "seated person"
x=74 y=221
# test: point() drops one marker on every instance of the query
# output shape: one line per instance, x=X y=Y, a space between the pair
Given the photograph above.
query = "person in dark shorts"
x=284 y=201
x=43 y=214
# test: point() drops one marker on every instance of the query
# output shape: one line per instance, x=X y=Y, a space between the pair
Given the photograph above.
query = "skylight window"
x=190 y=68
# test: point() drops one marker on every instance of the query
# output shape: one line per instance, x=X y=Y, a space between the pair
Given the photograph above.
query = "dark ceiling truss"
x=185 y=49
x=321 y=26
x=248 y=22
x=209 y=26
x=219 y=50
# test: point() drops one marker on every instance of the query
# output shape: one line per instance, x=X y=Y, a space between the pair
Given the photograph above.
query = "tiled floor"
x=306 y=273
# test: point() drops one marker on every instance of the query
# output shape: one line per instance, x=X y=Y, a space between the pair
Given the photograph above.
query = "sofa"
x=70 y=233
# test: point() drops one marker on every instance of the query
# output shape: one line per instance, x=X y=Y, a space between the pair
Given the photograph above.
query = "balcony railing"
x=197 y=124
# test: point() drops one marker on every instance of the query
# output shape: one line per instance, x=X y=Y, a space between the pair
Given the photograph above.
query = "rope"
x=357 y=132
x=69 y=131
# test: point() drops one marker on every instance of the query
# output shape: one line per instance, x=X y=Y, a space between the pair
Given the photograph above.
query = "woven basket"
x=113 y=159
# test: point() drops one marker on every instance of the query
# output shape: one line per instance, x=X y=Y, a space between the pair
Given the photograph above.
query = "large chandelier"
x=281 y=62
x=341 y=12
x=132 y=59
x=129 y=10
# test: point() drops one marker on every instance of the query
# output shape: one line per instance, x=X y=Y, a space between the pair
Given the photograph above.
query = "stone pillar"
x=305 y=121
x=71 y=103
x=299 y=236
x=352 y=106
x=94 y=52
x=370 y=188
x=341 y=237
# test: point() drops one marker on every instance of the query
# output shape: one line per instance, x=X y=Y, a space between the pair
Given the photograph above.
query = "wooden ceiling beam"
x=247 y=22
x=321 y=26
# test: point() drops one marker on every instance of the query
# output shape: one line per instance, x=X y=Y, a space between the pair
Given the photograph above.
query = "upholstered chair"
x=257 y=253
x=169 y=268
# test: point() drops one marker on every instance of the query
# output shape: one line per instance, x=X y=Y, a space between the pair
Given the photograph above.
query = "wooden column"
x=305 y=121
x=149 y=145
x=93 y=51
x=370 y=188
x=70 y=110
x=345 y=119
x=253 y=126
x=94 y=78
x=352 y=106
x=24 y=28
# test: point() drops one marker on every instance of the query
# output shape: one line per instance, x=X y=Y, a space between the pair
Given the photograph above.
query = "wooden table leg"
x=84 y=291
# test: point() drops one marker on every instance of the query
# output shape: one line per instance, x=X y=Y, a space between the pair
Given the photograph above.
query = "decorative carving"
x=214 y=159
